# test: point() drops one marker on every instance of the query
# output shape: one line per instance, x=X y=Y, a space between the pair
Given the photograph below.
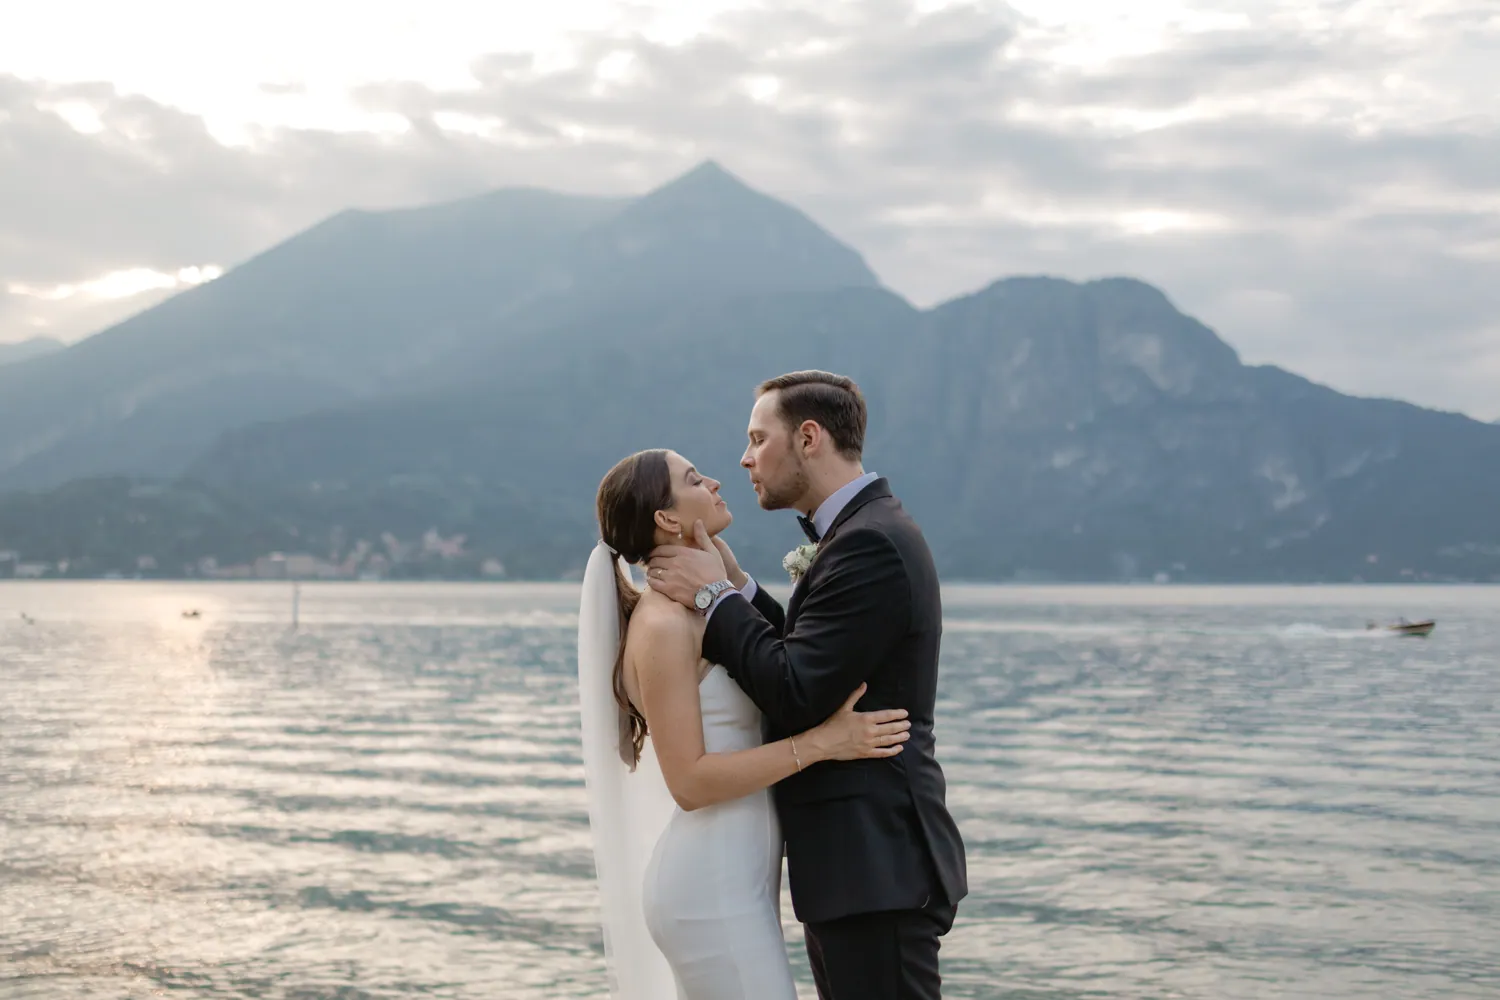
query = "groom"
x=876 y=862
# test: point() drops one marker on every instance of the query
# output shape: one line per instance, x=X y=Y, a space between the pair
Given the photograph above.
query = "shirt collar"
x=830 y=509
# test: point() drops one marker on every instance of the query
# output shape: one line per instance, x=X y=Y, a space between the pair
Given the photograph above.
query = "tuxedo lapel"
x=879 y=489
x=798 y=589
x=795 y=603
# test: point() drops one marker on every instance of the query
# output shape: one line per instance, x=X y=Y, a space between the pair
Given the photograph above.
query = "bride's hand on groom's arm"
x=680 y=571
x=851 y=735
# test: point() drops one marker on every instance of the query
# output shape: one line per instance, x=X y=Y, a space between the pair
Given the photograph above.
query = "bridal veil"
x=627 y=809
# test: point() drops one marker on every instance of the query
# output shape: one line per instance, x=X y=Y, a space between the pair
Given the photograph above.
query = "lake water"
x=1166 y=792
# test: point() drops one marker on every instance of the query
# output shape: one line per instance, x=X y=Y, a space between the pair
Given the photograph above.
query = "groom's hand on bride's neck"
x=680 y=571
x=732 y=570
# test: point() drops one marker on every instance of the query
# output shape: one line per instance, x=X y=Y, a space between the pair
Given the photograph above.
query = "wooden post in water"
x=296 y=602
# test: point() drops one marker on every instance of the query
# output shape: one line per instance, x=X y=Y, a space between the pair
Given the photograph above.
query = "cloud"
x=1316 y=182
x=120 y=284
x=150 y=191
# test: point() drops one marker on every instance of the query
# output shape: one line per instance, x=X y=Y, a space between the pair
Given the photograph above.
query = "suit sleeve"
x=769 y=609
x=855 y=609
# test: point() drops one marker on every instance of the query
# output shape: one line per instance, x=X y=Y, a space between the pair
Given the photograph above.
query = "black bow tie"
x=808 y=529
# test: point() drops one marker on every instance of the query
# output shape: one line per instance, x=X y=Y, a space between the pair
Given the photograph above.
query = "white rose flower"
x=797 y=561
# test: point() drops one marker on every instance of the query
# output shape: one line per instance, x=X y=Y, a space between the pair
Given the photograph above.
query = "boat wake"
x=1309 y=630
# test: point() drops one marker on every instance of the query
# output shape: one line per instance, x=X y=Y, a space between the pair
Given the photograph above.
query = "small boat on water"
x=1404 y=627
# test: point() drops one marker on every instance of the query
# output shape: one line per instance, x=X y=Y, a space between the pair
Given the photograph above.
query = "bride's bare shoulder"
x=662 y=626
x=658 y=615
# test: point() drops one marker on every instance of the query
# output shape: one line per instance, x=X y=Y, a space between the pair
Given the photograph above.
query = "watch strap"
x=714 y=590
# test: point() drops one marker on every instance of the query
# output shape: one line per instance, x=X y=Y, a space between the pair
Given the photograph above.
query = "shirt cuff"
x=748 y=593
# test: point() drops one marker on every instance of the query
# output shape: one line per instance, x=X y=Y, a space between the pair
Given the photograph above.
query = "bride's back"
x=730 y=720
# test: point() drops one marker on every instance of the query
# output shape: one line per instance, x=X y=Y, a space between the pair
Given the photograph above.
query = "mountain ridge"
x=14 y=352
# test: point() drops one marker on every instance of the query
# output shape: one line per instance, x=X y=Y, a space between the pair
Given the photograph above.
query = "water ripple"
x=1166 y=792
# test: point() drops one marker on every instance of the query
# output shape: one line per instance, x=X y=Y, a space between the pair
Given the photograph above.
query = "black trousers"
x=892 y=955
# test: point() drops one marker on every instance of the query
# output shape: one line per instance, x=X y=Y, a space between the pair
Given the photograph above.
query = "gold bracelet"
x=795 y=756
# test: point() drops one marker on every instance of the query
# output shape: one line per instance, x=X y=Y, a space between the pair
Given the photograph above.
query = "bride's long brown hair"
x=629 y=497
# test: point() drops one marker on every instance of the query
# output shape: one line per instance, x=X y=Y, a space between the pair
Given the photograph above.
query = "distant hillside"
x=474 y=368
x=126 y=527
x=25 y=350
x=1039 y=428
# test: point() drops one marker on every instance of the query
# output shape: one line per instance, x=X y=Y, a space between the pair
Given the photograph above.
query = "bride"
x=689 y=895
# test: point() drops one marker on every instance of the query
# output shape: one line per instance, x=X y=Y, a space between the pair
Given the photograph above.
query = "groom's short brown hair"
x=832 y=401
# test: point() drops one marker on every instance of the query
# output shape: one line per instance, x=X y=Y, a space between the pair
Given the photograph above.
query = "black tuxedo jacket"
x=867 y=835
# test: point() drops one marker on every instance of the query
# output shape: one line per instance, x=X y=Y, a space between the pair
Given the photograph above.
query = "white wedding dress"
x=712 y=894
x=689 y=901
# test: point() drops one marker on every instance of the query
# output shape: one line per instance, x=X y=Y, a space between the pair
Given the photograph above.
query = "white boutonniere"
x=797 y=561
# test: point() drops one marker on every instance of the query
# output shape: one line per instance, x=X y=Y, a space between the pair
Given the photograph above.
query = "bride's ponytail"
x=632 y=722
x=629 y=497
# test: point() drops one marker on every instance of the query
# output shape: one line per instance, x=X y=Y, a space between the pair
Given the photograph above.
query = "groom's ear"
x=809 y=435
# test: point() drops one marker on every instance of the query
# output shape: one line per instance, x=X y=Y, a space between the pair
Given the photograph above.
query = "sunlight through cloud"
x=120 y=284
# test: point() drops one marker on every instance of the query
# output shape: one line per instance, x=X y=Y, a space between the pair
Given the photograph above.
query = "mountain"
x=708 y=234
x=371 y=303
x=472 y=369
x=547 y=427
x=1123 y=439
x=25 y=350
x=1039 y=428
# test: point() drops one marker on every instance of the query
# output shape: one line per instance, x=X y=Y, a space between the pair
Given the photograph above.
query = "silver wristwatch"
x=704 y=599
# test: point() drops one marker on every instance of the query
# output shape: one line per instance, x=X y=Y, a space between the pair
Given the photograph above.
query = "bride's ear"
x=669 y=522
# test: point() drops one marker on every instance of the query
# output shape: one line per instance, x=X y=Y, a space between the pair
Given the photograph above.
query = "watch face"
x=703 y=599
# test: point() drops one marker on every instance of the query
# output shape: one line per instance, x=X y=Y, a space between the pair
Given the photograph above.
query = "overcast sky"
x=1318 y=180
